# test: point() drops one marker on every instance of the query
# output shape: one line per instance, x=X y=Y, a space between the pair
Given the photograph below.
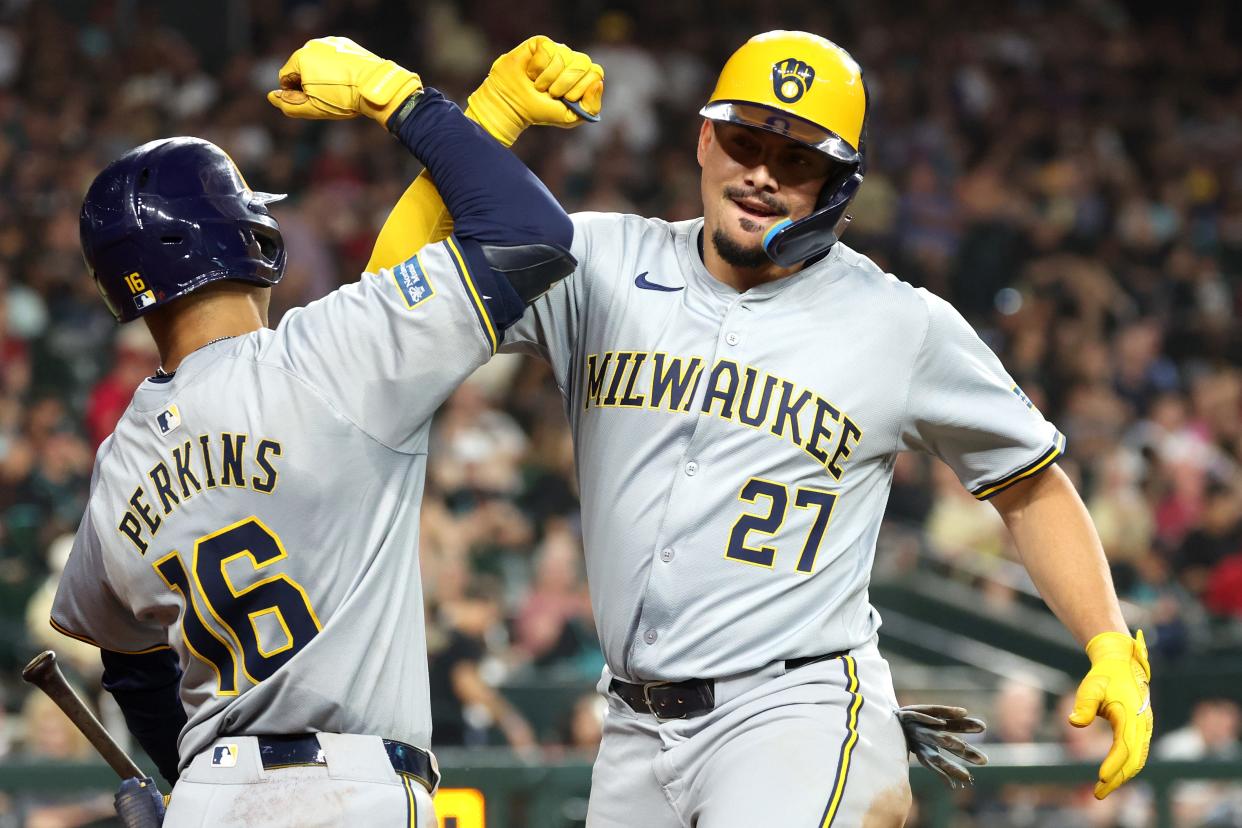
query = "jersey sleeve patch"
x=411 y=279
x=1039 y=464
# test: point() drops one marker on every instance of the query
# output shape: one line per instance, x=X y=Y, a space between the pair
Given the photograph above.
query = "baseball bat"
x=43 y=672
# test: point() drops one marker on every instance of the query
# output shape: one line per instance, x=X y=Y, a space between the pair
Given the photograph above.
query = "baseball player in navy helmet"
x=738 y=386
x=248 y=558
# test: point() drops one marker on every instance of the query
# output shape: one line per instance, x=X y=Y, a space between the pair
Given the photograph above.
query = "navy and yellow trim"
x=847 y=747
x=1031 y=469
x=411 y=805
x=480 y=309
x=94 y=643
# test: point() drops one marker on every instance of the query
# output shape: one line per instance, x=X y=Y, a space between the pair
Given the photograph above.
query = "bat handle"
x=576 y=108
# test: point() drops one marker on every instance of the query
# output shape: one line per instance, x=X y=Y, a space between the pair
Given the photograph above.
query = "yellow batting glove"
x=1116 y=688
x=334 y=78
x=525 y=88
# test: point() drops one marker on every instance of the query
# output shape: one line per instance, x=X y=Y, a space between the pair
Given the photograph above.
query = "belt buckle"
x=647 y=686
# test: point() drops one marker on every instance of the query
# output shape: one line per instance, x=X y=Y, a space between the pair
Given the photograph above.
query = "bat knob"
x=39 y=666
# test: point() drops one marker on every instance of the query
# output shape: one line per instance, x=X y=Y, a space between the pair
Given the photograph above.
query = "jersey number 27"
x=208 y=592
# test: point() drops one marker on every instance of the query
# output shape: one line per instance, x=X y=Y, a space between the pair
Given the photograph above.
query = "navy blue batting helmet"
x=173 y=215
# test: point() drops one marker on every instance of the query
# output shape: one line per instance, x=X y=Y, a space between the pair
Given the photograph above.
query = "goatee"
x=737 y=255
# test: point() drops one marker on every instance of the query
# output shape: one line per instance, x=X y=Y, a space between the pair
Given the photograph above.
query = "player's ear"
x=706 y=135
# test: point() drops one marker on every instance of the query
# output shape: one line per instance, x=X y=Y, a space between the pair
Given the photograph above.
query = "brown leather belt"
x=685 y=699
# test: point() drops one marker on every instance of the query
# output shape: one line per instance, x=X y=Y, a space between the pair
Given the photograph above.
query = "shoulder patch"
x=168 y=420
x=411 y=280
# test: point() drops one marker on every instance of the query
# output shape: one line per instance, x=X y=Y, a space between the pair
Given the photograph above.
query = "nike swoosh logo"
x=641 y=281
x=1146 y=704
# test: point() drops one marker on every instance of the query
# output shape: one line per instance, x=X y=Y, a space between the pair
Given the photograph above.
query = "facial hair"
x=739 y=255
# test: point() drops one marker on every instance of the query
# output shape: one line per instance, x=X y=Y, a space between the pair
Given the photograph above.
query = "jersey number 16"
x=206 y=588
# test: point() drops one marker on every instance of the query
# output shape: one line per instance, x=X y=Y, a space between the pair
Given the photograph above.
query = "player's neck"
x=188 y=324
x=738 y=277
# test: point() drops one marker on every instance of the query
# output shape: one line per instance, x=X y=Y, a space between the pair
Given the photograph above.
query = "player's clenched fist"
x=526 y=87
x=1116 y=688
x=335 y=78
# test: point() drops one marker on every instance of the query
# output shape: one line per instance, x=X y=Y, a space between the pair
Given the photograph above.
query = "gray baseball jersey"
x=258 y=512
x=735 y=451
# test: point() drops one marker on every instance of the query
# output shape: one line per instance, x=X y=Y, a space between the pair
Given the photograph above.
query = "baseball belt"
x=684 y=699
x=304 y=749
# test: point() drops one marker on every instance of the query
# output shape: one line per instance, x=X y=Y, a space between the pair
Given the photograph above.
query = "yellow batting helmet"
x=809 y=89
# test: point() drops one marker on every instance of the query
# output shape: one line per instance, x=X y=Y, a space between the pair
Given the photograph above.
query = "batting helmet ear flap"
x=789 y=243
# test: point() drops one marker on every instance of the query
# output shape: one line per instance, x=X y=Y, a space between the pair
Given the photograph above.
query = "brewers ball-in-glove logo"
x=791 y=78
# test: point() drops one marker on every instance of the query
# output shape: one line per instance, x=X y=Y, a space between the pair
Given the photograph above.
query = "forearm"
x=491 y=195
x=419 y=218
x=1061 y=550
x=146 y=687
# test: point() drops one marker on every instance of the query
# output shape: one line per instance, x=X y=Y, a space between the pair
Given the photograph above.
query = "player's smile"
x=757 y=209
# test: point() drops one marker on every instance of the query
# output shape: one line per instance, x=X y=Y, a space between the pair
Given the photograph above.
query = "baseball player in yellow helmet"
x=738 y=386
x=805 y=88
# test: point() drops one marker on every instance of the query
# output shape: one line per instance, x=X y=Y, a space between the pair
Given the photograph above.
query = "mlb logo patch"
x=224 y=756
x=412 y=282
x=168 y=420
x=144 y=300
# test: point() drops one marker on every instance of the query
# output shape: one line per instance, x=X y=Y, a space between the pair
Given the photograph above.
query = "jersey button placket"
x=692 y=468
x=666 y=554
x=650 y=636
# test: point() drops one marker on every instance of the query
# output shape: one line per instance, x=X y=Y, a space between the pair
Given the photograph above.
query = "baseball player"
x=251 y=533
x=738 y=386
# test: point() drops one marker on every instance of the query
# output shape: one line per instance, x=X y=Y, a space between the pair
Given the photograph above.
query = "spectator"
x=1212 y=733
x=464 y=704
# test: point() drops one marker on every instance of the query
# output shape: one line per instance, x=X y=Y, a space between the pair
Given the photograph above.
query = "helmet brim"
x=783 y=123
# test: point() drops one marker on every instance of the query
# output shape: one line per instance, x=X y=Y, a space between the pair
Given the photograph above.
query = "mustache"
x=767 y=199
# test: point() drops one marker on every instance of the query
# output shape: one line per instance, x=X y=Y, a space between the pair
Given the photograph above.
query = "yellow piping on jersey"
x=86 y=640
x=851 y=739
x=1058 y=447
x=411 y=807
x=474 y=293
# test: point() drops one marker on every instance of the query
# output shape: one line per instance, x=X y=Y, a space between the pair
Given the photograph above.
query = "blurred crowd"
x=1068 y=174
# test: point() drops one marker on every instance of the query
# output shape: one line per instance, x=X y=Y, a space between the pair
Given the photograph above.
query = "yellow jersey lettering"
x=130 y=528
x=181 y=459
x=623 y=358
x=265 y=484
x=628 y=400
x=849 y=431
x=595 y=378
x=787 y=412
x=760 y=414
x=820 y=429
x=231 y=460
x=718 y=390
x=144 y=511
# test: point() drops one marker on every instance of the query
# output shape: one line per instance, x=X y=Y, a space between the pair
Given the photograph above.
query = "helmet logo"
x=791 y=78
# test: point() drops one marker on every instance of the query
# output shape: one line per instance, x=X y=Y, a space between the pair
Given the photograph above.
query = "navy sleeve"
x=147 y=689
x=491 y=195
